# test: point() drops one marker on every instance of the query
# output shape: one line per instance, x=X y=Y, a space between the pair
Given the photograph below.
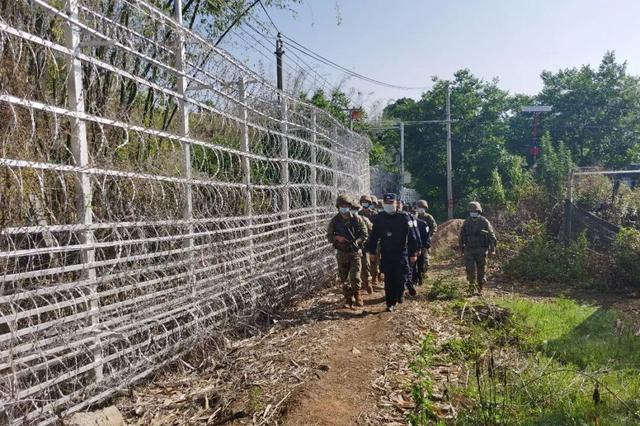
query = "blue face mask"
x=474 y=214
x=389 y=208
x=365 y=205
x=344 y=210
x=354 y=211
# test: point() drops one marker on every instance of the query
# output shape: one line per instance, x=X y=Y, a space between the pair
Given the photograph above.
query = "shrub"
x=542 y=257
x=592 y=192
x=448 y=287
x=626 y=257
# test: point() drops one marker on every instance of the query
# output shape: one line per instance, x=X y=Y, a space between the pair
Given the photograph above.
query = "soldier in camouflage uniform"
x=423 y=260
x=374 y=204
x=476 y=240
x=347 y=233
x=375 y=262
x=369 y=269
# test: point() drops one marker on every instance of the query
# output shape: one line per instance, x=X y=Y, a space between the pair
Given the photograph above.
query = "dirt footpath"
x=317 y=364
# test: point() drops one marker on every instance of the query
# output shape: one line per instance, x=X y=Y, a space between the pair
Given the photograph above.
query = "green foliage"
x=422 y=389
x=612 y=200
x=591 y=192
x=484 y=168
x=337 y=104
x=541 y=257
x=447 y=287
x=554 y=166
x=594 y=122
x=547 y=374
x=626 y=257
x=495 y=194
x=595 y=110
x=582 y=335
x=378 y=156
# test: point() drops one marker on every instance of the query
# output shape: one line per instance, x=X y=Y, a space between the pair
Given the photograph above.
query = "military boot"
x=358 y=297
x=348 y=298
x=367 y=287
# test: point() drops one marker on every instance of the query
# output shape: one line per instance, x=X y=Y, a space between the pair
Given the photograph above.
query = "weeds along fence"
x=600 y=233
x=152 y=190
x=599 y=203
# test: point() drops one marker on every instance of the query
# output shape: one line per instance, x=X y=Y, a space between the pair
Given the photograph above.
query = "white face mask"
x=389 y=208
x=354 y=211
x=421 y=210
x=474 y=214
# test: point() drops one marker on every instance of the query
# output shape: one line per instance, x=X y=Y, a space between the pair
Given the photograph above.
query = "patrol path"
x=316 y=364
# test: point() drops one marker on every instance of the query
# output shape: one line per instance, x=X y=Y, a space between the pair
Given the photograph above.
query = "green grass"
x=448 y=287
x=542 y=365
x=581 y=335
x=422 y=388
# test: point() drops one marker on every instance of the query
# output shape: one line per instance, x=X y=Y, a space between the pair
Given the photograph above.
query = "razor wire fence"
x=152 y=189
x=600 y=202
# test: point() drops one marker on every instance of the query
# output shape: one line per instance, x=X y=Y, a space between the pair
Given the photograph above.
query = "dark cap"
x=390 y=196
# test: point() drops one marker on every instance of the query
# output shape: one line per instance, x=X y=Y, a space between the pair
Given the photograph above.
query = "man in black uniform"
x=394 y=231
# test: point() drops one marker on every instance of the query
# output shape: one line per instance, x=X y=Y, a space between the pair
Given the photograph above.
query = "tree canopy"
x=593 y=123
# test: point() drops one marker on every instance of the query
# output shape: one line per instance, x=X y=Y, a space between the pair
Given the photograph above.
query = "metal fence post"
x=284 y=158
x=245 y=163
x=183 y=130
x=334 y=161
x=569 y=209
x=84 y=191
x=313 y=177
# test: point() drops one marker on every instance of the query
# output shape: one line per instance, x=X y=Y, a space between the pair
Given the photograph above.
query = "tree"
x=338 y=105
x=479 y=148
x=595 y=112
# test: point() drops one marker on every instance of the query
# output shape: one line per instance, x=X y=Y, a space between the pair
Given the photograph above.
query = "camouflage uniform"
x=369 y=269
x=349 y=253
x=433 y=227
x=476 y=239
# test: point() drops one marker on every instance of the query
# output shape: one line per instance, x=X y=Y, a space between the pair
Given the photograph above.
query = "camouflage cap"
x=374 y=199
x=422 y=204
x=366 y=198
x=343 y=199
x=475 y=206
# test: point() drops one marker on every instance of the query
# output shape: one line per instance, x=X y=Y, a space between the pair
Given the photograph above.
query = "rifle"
x=342 y=230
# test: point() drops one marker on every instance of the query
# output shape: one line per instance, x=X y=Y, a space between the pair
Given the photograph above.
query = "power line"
x=235 y=21
x=268 y=16
x=327 y=85
x=318 y=78
x=306 y=51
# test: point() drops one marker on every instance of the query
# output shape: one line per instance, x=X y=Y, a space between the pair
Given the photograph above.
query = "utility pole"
x=279 y=52
x=401 y=154
x=449 y=167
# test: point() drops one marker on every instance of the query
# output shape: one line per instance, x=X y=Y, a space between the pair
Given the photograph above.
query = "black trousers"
x=395 y=270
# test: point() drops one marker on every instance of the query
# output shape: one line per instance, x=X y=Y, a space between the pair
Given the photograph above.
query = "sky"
x=406 y=42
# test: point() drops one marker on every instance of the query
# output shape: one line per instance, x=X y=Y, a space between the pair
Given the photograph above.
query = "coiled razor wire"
x=152 y=189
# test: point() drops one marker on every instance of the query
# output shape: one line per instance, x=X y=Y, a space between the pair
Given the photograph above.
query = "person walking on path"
x=393 y=231
x=477 y=239
x=347 y=233
x=369 y=268
x=427 y=226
